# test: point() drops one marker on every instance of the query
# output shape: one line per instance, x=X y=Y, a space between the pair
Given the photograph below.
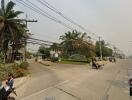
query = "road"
x=77 y=82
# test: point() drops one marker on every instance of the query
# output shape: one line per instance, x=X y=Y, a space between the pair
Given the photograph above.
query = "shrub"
x=54 y=59
x=24 y=65
x=17 y=69
x=89 y=60
x=5 y=70
x=20 y=72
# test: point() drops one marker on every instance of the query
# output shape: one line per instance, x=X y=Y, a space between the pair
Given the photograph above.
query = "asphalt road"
x=77 y=82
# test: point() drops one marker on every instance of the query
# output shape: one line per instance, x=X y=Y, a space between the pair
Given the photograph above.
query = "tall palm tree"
x=69 y=41
x=77 y=42
x=14 y=29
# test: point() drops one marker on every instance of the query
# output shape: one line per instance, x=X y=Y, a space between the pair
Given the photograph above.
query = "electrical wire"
x=38 y=10
x=46 y=4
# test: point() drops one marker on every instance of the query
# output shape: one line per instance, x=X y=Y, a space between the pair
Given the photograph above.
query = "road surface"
x=77 y=82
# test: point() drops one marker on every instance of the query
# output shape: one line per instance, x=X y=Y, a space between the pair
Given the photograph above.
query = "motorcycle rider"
x=3 y=92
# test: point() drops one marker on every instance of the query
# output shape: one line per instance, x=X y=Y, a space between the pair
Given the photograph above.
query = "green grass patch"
x=73 y=62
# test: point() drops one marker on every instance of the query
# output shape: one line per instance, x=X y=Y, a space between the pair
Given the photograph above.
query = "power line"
x=46 y=4
x=43 y=13
x=38 y=10
x=50 y=15
x=41 y=40
x=46 y=14
x=30 y=42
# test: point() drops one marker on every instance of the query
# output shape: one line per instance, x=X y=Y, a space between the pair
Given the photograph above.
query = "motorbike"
x=5 y=94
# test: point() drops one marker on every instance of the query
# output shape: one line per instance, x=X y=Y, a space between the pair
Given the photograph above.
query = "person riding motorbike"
x=3 y=93
x=10 y=81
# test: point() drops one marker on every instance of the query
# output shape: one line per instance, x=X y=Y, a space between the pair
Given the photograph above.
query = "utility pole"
x=29 y=21
x=26 y=22
x=115 y=51
x=100 y=47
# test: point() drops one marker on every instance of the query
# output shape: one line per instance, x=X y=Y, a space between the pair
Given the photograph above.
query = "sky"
x=110 y=19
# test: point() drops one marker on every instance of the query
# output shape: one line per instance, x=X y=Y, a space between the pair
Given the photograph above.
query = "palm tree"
x=69 y=41
x=13 y=31
x=55 y=47
x=77 y=43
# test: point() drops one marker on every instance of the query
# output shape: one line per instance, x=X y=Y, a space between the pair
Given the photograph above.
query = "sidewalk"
x=18 y=83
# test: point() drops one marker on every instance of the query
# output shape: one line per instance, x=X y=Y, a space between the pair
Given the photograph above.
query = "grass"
x=73 y=62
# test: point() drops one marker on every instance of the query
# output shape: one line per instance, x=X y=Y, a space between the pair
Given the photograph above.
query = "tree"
x=106 y=52
x=44 y=51
x=69 y=41
x=55 y=47
x=13 y=32
x=77 y=43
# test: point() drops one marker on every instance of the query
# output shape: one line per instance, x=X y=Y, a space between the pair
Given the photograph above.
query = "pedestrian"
x=10 y=81
x=9 y=85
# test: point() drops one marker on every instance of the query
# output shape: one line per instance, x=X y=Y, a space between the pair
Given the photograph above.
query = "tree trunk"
x=12 y=53
x=5 y=56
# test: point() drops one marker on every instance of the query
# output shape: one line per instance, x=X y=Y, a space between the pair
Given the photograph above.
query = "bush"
x=89 y=60
x=54 y=59
x=17 y=69
x=20 y=72
x=77 y=57
x=5 y=70
x=24 y=65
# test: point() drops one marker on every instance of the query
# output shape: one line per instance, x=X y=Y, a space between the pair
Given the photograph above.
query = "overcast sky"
x=111 y=19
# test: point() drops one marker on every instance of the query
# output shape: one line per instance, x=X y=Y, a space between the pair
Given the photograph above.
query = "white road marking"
x=37 y=93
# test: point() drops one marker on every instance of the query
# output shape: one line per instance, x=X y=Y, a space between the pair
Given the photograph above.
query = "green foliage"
x=54 y=59
x=45 y=51
x=55 y=47
x=76 y=62
x=28 y=54
x=106 y=52
x=77 y=57
x=77 y=43
x=17 y=69
x=14 y=31
x=24 y=65
x=4 y=70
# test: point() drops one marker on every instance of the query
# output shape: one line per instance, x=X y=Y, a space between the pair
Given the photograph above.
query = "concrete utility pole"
x=115 y=51
x=26 y=22
x=100 y=46
x=29 y=21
